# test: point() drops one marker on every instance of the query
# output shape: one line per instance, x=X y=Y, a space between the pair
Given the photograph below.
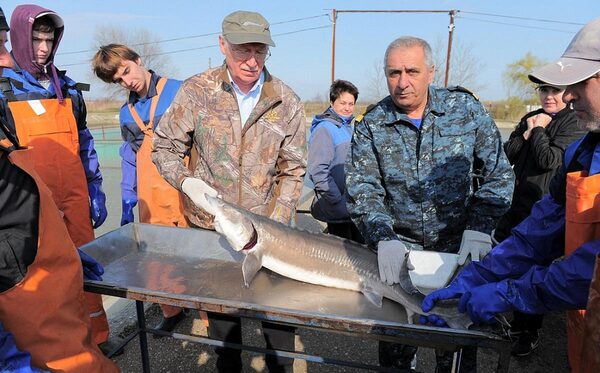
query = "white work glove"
x=196 y=190
x=390 y=257
x=474 y=243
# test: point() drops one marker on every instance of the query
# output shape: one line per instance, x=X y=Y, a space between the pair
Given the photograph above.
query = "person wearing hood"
x=48 y=114
x=330 y=136
x=44 y=326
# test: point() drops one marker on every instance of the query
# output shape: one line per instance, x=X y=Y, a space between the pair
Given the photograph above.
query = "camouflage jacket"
x=417 y=185
x=260 y=167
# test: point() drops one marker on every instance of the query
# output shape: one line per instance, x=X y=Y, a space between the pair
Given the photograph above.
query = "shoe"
x=108 y=346
x=167 y=324
x=525 y=343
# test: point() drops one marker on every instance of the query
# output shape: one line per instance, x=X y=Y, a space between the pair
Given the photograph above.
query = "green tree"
x=516 y=79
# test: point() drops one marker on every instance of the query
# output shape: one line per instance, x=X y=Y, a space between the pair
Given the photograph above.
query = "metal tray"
x=197 y=268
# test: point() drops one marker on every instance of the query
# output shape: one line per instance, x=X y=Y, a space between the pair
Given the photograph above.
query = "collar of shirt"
x=247 y=101
x=589 y=155
x=133 y=97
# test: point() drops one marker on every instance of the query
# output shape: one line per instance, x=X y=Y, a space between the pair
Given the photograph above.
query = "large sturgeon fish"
x=318 y=259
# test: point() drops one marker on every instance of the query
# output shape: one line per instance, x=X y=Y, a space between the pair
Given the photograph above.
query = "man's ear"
x=222 y=44
x=431 y=73
x=139 y=61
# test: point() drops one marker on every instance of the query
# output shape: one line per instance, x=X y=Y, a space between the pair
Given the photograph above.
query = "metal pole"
x=139 y=308
x=448 y=56
x=450 y=32
x=334 y=19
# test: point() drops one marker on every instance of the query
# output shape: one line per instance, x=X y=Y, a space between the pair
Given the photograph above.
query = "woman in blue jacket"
x=330 y=136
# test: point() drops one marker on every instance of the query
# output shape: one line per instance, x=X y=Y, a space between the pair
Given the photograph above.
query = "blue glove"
x=11 y=359
x=92 y=270
x=449 y=292
x=127 y=211
x=97 y=204
x=467 y=279
x=432 y=320
x=484 y=302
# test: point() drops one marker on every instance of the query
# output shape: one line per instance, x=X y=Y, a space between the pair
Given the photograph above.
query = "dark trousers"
x=526 y=322
x=399 y=356
x=229 y=329
x=345 y=230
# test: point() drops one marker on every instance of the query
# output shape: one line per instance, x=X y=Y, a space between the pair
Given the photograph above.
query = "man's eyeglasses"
x=245 y=54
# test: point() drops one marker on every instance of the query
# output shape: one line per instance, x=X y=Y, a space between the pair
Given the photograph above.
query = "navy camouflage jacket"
x=416 y=185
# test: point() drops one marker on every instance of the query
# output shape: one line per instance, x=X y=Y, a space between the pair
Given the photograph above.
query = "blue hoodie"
x=330 y=136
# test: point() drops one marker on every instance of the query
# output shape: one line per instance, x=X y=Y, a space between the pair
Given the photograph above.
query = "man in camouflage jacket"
x=259 y=166
x=244 y=132
x=411 y=166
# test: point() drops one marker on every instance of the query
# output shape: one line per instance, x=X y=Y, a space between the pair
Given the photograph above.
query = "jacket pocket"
x=15 y=256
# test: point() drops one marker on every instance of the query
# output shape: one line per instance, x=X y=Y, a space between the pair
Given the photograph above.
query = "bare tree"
x=146 y=44
x=464 y=66
x=376 y=85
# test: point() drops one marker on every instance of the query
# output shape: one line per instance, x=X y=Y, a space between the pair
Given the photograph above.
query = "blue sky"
x=303 y=59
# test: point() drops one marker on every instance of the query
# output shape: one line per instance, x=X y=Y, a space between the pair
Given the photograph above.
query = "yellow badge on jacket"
x=272 y=116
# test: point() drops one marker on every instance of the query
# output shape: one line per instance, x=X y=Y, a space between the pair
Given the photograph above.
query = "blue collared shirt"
x=247 y=101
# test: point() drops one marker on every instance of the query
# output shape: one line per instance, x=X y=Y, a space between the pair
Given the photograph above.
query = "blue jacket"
x=328 y=145
x=416 y=184
x=26 y=87
x=133 y=136
x=528 y=258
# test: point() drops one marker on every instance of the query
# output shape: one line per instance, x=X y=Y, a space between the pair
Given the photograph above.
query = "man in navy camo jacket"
x=426 y=171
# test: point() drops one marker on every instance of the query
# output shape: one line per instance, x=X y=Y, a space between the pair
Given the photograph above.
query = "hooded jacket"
x=21 y=23
x=28 y=73
x=328 y=145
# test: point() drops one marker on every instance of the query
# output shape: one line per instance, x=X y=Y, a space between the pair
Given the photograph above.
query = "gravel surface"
x=170 y=355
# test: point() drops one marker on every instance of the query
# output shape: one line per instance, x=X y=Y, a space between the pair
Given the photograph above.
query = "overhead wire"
x=523 y=18
x=514 y=24
x=206 y=46
x=197 y=36
x=216 y=45
x=459 y=15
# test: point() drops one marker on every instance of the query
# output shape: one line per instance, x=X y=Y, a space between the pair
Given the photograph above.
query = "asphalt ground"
x=171 y=355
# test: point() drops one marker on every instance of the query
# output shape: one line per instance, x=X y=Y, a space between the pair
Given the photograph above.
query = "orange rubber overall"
x=50 y=130
x=159 y=203
x=46 y=311
x=582 y=224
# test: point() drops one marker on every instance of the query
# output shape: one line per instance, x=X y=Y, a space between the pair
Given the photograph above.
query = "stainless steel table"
x=197 y=269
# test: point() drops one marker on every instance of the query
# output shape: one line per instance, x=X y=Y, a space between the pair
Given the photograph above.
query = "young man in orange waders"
x=522 y=273
x=49 y=115
x=44 y=323
x=149 y=97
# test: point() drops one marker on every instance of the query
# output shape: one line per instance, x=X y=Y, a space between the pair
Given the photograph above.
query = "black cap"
x=3 y=24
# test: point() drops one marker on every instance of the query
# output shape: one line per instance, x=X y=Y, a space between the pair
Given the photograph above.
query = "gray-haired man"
x=409 y=173
x=244 y=131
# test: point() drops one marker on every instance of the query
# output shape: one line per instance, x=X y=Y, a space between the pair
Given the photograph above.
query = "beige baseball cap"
x=580 y=60
x=246 y=27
